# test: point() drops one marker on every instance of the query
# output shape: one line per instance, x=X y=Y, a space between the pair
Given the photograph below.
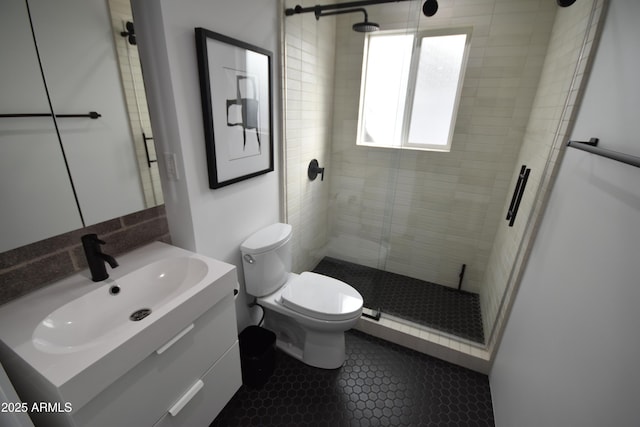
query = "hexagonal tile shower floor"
x=380 y=384
x=425 y=303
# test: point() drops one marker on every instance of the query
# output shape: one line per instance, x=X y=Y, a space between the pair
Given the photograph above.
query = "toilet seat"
x=321 y=297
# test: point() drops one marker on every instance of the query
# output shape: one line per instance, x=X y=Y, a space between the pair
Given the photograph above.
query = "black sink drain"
x=140 y=314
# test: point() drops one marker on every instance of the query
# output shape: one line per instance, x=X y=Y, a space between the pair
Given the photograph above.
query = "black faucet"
x=95 y=257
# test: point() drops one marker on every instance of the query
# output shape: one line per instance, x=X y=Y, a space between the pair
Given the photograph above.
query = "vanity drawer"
x=144 y=393
x=218 y=386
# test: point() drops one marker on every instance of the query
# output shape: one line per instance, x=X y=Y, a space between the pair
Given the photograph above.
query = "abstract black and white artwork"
x=235 y=86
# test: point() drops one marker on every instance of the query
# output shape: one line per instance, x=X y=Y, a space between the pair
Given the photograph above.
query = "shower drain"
x=140 y=314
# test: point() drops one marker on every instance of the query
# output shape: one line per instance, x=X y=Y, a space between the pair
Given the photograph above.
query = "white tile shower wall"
x=133 y=86
x=446 y=206
x=310 y=55
x=546 y=125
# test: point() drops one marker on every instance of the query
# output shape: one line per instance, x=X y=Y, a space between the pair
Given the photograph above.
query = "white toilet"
x=308 y=312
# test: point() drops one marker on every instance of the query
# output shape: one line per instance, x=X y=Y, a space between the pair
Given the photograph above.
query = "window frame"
x=411 y=88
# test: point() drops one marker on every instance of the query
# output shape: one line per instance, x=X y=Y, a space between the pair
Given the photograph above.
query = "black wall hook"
x=314 y=170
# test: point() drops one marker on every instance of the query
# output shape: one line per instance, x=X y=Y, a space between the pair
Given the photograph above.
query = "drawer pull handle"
x=173 y=340
x=175 y=409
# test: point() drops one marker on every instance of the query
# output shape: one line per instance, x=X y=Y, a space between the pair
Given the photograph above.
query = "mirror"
x=66 y=170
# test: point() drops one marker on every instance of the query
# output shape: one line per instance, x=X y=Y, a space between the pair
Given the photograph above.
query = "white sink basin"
x=102 y=313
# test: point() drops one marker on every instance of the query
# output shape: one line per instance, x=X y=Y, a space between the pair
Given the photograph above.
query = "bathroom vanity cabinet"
x=178 y=366
x=184 y=384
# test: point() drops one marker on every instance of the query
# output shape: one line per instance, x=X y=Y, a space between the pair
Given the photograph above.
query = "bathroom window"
x=411 y=88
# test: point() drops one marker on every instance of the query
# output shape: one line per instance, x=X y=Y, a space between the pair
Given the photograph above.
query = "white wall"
x=211 y=222
x=310 y=60
x=570 y=349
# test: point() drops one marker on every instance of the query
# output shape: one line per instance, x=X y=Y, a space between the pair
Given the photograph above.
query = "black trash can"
x=257 y=355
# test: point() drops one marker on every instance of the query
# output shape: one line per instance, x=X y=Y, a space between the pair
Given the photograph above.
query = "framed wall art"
x=235 y=87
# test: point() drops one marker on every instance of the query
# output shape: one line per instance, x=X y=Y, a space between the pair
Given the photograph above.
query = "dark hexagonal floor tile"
x=425 y=303
x=413 y=389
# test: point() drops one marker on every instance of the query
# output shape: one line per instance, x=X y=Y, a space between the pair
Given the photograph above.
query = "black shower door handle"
x=523 y=177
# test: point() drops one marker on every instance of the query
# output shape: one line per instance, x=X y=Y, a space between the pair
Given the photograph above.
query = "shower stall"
x=422 y=233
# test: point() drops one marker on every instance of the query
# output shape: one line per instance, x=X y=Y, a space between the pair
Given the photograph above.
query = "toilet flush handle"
x=249 y=259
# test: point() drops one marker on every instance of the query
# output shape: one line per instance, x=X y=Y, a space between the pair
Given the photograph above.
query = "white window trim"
x=411 y=84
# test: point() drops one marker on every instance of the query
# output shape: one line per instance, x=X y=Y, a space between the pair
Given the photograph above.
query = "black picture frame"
x=236 y=94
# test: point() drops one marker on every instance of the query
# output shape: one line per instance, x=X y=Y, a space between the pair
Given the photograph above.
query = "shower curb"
x=452 y=349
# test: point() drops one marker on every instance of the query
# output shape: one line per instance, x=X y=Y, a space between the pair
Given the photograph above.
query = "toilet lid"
x=322 y=297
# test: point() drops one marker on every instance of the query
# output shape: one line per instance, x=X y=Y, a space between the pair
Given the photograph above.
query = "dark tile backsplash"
x=28 y=268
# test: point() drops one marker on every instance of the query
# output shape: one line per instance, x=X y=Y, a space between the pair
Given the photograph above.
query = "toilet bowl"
x=309 y=312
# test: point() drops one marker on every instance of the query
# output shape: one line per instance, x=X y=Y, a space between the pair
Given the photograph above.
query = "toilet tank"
x=266 y=259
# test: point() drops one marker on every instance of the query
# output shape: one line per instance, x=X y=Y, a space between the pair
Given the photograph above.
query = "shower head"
x=365 y=27
x=565 y=3
x=430 y=7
